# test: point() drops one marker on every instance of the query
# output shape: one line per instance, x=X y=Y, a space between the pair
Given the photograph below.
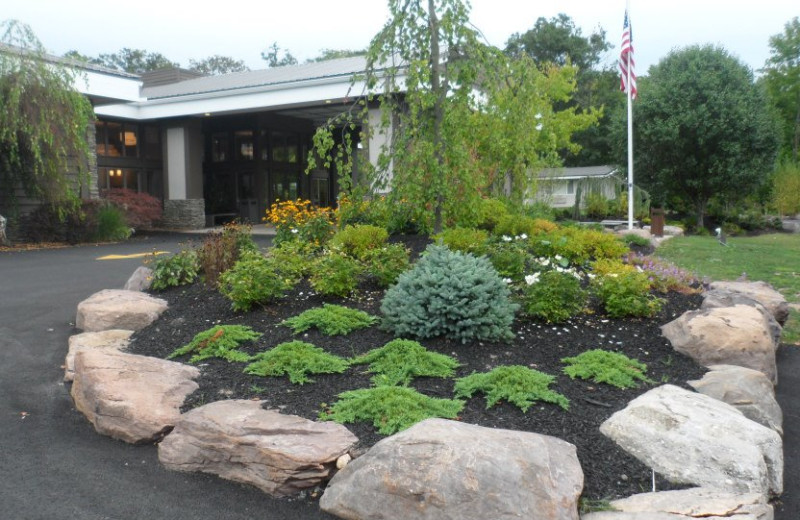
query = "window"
x=243 y=145
x=130 y=140
x=219 y=147
x=570 y=187
x=152 y=142
x=114 y=145
x=319 y=192
x=285 y=147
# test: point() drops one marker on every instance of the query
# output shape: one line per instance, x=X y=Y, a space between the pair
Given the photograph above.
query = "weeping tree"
x=465 y=119
x=43 y=124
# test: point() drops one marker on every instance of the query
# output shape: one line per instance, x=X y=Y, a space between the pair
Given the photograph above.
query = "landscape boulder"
x=715 y=298
x=695 y=439
x=688 y=504
x=738 y=335
x=3 y=237
x=140 y=280
x=747 y=390
x=114 y=339
x=118 y=309
x=132 y=398
x=762 y=292
x=239 y=440
x=448 y=470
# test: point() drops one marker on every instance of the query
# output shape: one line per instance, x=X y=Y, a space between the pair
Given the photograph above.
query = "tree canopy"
x=782 y=77
x=134 y=61
x=216 y=65
x=277 y=57
x=559 y=41
x=465 y=119
x=333 y=54
x=702 y=129
x=43 y=123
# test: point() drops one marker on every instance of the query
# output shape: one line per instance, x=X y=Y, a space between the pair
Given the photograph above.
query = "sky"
x=184 y=30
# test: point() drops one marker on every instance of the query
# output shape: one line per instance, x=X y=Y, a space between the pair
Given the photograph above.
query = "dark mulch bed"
x=609 y=471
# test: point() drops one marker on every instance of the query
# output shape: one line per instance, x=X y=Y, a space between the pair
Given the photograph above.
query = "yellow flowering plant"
x=300 y=220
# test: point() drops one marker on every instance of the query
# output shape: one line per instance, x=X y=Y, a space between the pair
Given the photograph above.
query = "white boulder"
x=118 y=309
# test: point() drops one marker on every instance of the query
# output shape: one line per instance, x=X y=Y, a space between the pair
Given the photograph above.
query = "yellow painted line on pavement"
x=135 y=255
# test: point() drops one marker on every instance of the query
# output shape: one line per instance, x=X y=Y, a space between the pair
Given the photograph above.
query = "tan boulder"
x=118 y=309
x=695 y=439
x=239 y=440
x=114 y=339
x=140 y=280
x=762 y=292
x=132 y=398
x=747 y=390
x=448 y=470
x=739 y=335
x=686 y=504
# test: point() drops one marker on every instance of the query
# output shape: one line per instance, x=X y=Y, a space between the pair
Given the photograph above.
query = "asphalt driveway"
x=53 y=464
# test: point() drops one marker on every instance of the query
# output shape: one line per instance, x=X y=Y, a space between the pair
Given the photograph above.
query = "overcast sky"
x=182 y=29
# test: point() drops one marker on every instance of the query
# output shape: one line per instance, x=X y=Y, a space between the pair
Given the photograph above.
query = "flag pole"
x=630 y=126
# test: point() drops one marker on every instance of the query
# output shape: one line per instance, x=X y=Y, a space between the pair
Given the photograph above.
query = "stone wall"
x=184 y=214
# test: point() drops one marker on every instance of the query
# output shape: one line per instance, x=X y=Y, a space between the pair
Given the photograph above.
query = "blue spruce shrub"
x=449 y=294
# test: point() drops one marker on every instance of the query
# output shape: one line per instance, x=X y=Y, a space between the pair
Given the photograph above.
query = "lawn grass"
x=772 y=258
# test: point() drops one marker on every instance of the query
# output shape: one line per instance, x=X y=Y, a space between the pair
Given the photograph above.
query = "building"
x=214 y=148
x=560 y=186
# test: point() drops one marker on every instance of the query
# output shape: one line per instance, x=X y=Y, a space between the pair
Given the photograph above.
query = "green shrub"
x=786 y=188
x=387 y=263
x=602 y=366
x=253 y=280
x=355 y=241
x=579 y=245
x=331 y=320
x=508 y=258
x=465 y=240
x=597 y=205
x=519 y=385
x=633 y=239
x=221 y=341
x=490 y=213
x=390 y=408
x=221 y=249
x=554 y=297
x=175 y=270
x=296 y=359
x=295 y=258
x=111 y=225
x=606 y=266
x=401 y=360
x=449 y=294
x=626 y=294
x=335 y=274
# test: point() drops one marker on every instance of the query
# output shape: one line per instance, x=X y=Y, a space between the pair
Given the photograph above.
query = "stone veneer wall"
x=184 y=214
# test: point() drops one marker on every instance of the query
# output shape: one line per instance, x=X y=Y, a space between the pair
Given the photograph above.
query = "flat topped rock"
x=739 y=335
x=132 y=398
x=747 y=390
x=688 y=504
x=695 y=439
x=118 y=309
x=114 y=339
x=239 y=440
x=448 y=470
x=762 y=292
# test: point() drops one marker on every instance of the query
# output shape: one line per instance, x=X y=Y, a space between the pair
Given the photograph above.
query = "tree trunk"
x=438 y=115
x=701 y=211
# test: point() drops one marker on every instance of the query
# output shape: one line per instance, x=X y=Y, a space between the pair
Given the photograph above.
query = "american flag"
x=625 y=57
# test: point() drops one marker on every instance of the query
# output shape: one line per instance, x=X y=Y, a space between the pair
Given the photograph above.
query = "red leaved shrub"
x=142 y=210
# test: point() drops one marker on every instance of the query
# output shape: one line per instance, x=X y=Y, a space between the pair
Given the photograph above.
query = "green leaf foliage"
x=519 y=385
x=296 y=359
x=221 y=341
x=175 y=270
x=703 y=129
x=386 y=263
x=465 y=240
x=253 y=280
x=335 y=274
x=782 y=79
x=357 y=240
x=602 y=366
x=626 y=294
x=44 y=124
x=390 y=408
x=555 y=298
x=331 y=320
x=401 y=360
x=449 y=294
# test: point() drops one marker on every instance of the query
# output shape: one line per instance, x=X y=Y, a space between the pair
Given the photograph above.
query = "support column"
x=180 y=211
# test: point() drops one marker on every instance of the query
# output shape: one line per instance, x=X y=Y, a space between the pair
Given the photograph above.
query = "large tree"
x=43 y=124
x=782 y=77
x=275 y=56
x=333 y=54
x=702 y=129
x=135 y=61
x=216 y=65
x=464 y=118
x=559 y=41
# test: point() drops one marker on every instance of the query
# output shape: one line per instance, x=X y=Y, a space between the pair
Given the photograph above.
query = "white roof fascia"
x=239 y=100
x=93 y=83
